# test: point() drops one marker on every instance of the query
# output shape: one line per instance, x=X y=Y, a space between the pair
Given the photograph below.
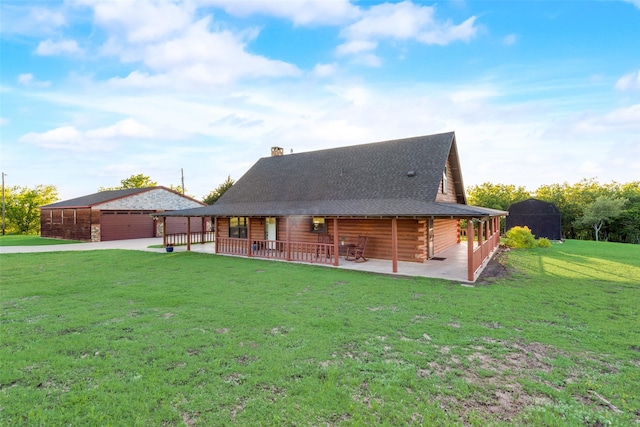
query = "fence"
x=177 y=239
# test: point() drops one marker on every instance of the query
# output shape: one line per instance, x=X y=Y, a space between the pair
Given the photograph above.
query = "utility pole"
x=182 y=174
x=3 y=174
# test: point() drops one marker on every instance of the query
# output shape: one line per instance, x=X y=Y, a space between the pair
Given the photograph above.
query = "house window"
x=445 y=181
x=238 y=227
x=318 y=225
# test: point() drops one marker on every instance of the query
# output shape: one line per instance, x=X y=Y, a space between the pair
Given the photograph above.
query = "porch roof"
x=340 y=208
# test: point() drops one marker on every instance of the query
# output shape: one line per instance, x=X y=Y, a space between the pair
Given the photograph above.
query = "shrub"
x=520 y=237
x=543 y=242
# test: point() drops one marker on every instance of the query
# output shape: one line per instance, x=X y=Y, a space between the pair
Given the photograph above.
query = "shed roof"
x=533 y=207
x=105 y=196
x=391 y=178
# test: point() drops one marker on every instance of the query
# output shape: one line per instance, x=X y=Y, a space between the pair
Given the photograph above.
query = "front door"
x=271 y=229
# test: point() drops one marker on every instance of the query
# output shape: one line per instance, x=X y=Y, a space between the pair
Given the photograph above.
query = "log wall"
x=446 y=234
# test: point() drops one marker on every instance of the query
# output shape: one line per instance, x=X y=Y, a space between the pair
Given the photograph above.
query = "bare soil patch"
x=496 y=379
x=496 y=269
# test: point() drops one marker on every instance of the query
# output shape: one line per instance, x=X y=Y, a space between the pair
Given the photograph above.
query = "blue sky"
x=538 y=92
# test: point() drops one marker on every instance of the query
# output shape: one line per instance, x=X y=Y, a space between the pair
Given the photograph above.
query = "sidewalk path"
x=130 y=244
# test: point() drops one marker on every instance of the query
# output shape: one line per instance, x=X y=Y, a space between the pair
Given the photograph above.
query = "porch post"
x=204 y=230
x=336 y=249
x=188 y=233
x=470 y=249
x=394 y=244
x=250 y=251
x=215 y=234
x=487 y=235
x=164 y=231
x=288 y=239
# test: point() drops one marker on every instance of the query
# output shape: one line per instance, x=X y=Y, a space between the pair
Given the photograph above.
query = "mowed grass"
x=31 y=240
x=136 y=338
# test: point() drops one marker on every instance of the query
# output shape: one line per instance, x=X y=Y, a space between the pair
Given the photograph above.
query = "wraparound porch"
x=469 y=258
x=453 y=265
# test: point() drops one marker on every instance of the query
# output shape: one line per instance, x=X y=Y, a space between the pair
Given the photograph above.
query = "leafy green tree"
x=626 y=227
x=496 y=196
x=215 y=194
x=21 y=207
x=571 y=200
x=601 y=211
x=134 y=181
x=178 y=188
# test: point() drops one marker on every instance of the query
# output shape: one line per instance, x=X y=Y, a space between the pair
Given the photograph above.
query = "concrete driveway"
x=130 y=244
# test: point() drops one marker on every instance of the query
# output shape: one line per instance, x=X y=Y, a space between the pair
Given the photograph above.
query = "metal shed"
x=543 y=218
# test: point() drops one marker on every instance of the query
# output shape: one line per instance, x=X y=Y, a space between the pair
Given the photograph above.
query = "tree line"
x=590 y=210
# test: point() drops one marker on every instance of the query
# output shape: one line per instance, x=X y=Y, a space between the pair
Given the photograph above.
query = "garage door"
x=121 y=225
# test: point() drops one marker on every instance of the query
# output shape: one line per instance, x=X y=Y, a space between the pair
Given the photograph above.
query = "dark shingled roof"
x=97 y=198
x=359 y=180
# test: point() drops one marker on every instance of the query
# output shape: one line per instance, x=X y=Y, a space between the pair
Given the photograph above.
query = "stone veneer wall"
x=158 y=199
x=95 y=232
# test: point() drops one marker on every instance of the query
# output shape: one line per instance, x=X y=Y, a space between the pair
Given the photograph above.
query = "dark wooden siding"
x=71 y=224
x=450 y=196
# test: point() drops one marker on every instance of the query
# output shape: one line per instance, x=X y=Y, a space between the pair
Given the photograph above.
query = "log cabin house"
x=407 y=196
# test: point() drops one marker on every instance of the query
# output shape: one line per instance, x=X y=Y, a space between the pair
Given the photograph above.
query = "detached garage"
x=115 y=215
x=543 y=218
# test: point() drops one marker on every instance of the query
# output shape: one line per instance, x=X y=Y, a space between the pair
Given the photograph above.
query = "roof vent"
x=411 y=174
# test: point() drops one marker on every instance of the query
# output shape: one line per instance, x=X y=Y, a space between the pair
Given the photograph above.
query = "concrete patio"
x=452 y=267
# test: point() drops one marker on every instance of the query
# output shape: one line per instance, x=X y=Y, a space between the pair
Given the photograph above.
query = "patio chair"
x=356 y=253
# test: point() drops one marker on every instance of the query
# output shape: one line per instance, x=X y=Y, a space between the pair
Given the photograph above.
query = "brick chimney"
x=277 y=151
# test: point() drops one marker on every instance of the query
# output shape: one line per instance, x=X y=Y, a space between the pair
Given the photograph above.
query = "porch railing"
x=276 y=249
x=177 y=239
x=483 y=252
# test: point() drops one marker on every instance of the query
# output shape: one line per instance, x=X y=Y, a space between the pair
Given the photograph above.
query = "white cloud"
x=128 y=128
x=402 y=21
x=65 y=137
x=137 y=79
x=636 y=3
x=178 y=52
x=325 y=70
x=356 y=46
x=510 y=39
x=30 y=21
x=29 y=80
x=101 y=139
x=141 y=21
x=300 y=12
x=49 y=47
x=629 y=81
x=4 y=121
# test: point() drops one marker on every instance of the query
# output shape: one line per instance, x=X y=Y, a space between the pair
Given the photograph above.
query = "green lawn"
x=31 y=240
x=136 y=338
